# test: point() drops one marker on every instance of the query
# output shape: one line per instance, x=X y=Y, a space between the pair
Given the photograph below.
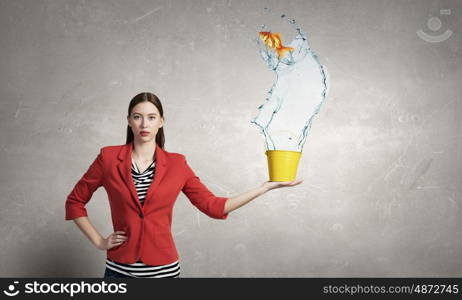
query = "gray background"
x=382 y=164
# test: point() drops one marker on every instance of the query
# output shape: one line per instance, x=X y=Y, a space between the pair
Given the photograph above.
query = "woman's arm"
x=114 y=239
x=89 y=230
x=240 y=200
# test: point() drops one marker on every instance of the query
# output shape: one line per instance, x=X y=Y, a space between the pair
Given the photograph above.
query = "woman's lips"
x=144 y=133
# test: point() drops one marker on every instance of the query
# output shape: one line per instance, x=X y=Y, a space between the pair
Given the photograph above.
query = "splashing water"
x=300 y=88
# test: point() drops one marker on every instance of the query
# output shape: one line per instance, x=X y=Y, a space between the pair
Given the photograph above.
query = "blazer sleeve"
x=201 y=197
x=84 y=189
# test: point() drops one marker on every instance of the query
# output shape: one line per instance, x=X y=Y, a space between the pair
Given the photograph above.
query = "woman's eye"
x=135 y=117
x=153 y=118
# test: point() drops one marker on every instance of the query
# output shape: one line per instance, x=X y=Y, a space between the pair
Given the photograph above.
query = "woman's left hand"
x=269 y=185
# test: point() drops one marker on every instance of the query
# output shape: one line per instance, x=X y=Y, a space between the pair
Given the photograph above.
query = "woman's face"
x=145 y=121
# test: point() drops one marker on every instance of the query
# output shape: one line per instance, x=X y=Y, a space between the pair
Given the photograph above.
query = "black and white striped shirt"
x=142 y=182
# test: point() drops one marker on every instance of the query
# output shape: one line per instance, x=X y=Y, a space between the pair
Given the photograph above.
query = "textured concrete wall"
x=382 y=165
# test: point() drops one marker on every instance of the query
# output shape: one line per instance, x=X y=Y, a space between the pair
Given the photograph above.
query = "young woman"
x=142 y=181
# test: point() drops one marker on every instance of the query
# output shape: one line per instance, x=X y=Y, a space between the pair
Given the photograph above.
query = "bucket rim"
x=268 y=151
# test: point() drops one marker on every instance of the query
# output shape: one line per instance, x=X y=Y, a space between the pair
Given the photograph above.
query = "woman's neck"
x=143 y=151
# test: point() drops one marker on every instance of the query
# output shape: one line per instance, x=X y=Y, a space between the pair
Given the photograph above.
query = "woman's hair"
x=144 y=97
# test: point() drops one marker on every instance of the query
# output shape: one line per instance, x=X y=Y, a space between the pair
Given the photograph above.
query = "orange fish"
x=273 y=40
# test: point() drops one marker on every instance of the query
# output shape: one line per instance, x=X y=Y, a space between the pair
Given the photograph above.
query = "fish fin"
x=281 y=51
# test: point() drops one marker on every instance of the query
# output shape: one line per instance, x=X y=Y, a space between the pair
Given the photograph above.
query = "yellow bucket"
x=282 y=165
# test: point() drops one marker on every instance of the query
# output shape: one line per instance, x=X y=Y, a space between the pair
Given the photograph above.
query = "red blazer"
x=147 y=227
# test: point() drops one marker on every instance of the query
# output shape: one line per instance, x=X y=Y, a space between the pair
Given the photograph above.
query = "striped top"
x=142 y=182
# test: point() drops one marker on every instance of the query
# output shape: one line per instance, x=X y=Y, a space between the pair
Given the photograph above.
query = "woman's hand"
x=114 y=239
x=269 y=185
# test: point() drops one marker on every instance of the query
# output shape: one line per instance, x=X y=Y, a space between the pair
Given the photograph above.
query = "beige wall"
x=382 y=165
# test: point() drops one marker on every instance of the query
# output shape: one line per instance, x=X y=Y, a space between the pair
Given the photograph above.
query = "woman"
x=142 y=181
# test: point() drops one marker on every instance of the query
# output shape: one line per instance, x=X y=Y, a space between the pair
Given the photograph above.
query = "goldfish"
x=273 y=40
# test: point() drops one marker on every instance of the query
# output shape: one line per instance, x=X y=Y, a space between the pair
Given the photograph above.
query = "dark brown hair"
x=146 y=97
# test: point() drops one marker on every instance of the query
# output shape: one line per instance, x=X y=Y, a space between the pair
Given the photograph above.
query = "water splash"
x=300 y=88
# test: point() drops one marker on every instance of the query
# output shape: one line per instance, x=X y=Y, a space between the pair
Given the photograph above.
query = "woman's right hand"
x=114 y=239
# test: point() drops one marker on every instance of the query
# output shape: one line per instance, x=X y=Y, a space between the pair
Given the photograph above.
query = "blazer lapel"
x=125 y=165
x=159 y=172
